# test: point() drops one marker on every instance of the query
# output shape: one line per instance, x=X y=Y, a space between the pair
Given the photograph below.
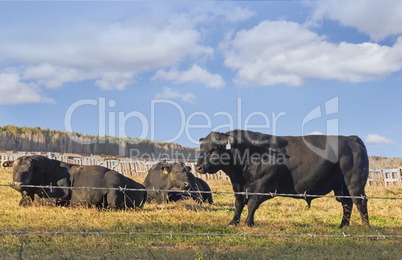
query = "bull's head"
x=22 y=172
x=177 y=174
x=214 y=152
x=218 y=151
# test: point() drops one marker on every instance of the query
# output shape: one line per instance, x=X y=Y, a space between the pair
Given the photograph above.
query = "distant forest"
x=378 y=162
x=46 y=140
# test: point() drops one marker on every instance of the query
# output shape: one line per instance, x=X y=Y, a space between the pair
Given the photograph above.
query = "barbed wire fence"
x=245 y=193
x=130 y=234
x=135 y=168
x=172 y=234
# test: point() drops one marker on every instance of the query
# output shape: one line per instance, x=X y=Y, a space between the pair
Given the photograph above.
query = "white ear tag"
x=228 y=146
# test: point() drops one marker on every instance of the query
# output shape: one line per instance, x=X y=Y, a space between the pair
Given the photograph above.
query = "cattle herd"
x=257 y=164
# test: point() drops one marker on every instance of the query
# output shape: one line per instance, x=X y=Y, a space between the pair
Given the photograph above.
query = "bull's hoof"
x=366 y=224
x=344 y=225
x=250 y=224
x=234 y=222
x=25 y=203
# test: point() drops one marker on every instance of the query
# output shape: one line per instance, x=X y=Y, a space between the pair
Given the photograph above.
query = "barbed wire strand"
x=171 y=234
x=246 y=193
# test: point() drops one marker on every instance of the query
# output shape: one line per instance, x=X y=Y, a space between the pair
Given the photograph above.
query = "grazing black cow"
x=262 y=163
x=41 y=171
x=177 y=178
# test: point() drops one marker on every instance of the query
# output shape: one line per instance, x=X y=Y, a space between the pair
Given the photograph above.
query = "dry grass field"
x=276 y=216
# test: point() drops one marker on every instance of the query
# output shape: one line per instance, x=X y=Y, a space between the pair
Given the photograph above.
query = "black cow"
x=38 y=170
x=177 y=178
x=262 y=163
x=116 y=197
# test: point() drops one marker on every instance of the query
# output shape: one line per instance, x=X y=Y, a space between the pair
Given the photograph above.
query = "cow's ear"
x=201 y=140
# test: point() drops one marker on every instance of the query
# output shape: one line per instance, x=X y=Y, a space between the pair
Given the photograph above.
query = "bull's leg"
x=253 y=203
x=361 y=205
x=239 y=205
x=26 y=200
x=355 y=177
x=347 y=205
x=357 y=189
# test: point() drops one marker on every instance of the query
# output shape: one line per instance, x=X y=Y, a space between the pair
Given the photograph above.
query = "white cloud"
x=172 y=94
x=51 y=76
x=378 y=19
x=114 y=49
x=210 y=11
x=377 y=139
x=196 y=74
x=13 y=91
x=111 y=53
x=232 y=13
x=115 y=80
x=315 y=133
x=286 y=52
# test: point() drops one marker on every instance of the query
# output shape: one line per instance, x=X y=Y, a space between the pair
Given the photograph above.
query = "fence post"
x=21 y=246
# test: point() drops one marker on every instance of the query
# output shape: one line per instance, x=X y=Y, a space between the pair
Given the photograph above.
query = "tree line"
x=46 y=140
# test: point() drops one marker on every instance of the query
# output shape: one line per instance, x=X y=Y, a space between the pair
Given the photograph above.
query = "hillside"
x=46 y=140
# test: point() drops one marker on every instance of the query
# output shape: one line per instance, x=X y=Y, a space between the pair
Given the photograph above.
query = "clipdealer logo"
x=109 y=121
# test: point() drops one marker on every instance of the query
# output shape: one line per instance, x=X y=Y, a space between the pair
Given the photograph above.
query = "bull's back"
x=314 y=172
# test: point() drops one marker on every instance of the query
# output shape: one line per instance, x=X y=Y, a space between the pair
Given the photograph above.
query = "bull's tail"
x=358 y=140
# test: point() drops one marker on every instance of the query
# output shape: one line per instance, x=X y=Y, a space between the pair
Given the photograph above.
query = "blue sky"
x=174 y=71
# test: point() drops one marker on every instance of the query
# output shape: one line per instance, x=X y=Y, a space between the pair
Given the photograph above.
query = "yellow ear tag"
x=165 y=171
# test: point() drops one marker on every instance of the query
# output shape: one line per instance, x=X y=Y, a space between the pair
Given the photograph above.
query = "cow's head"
x=214 y=152
x=177 y=175
x=23 y=172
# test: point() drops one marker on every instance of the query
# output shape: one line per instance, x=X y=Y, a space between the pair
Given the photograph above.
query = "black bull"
x=38 y=170
x=261 y=163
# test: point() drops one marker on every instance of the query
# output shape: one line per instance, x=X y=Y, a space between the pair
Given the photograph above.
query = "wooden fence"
x=139 y=168
x=385 y=177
